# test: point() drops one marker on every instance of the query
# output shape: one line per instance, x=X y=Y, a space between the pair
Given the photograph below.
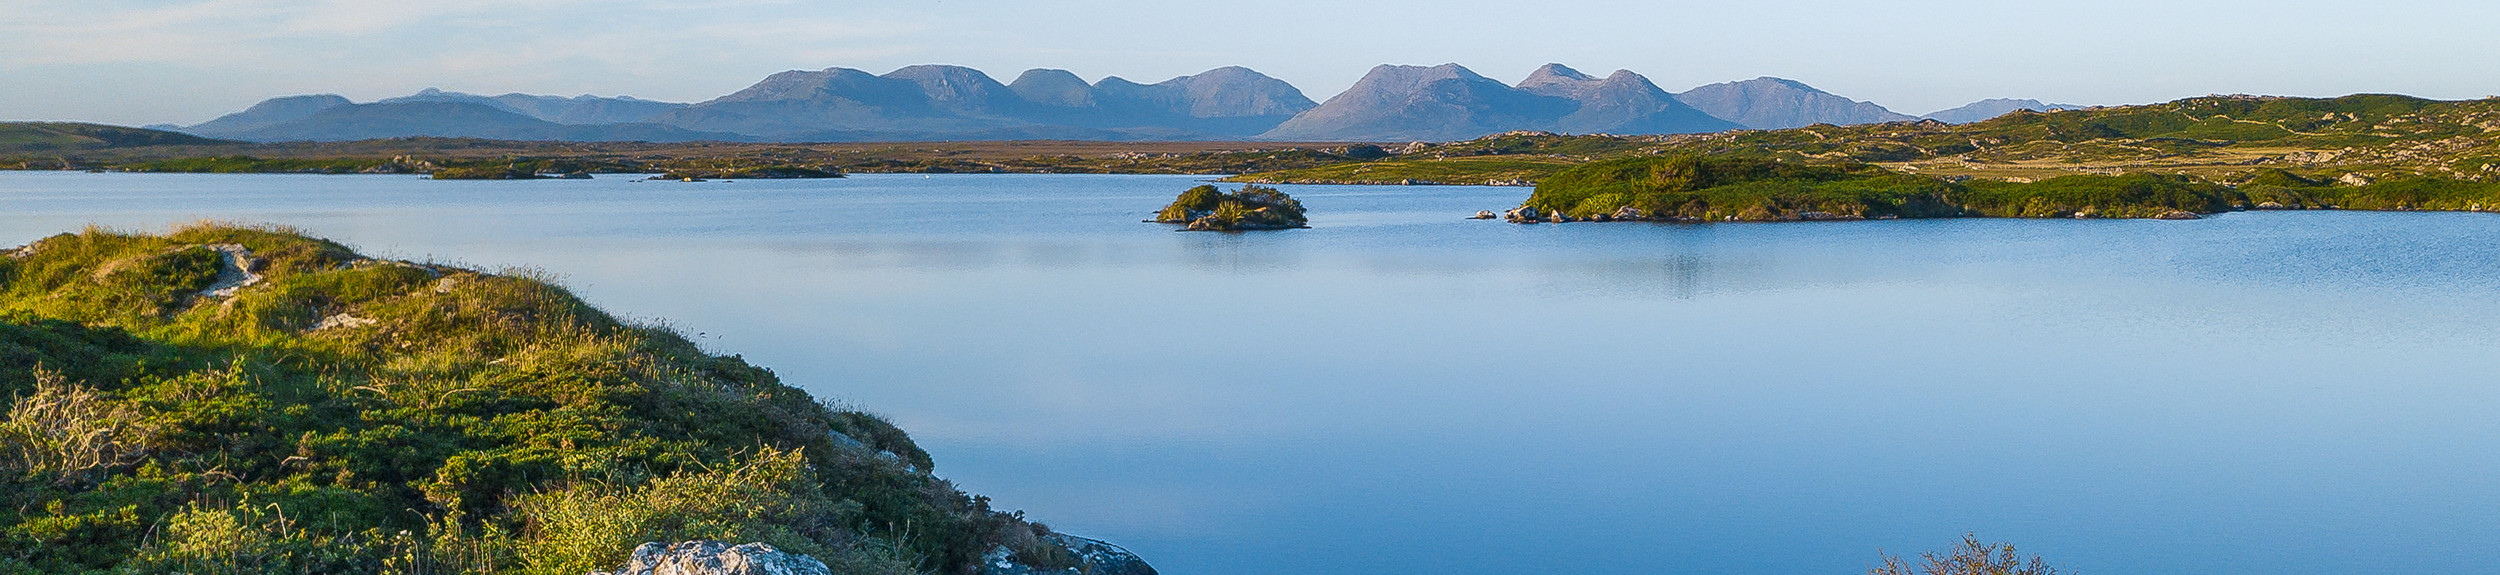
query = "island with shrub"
x=1254 y=207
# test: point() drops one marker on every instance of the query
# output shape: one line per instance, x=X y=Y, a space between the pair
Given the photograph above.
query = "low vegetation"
x=486 y=173
x=1254 y=207
x=332 y=413
x=57 y=137
x=1723 y=188
x=750 y=173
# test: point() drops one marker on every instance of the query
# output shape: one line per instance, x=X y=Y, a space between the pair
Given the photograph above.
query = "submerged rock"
x=717 y=558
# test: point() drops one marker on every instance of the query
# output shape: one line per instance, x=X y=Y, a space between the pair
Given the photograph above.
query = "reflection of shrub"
x=1970 y=558
x=1255 y=207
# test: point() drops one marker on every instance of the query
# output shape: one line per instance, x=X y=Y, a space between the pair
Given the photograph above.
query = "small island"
x=1255 y=207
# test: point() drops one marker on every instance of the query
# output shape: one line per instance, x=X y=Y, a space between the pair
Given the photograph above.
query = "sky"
x=138 y=62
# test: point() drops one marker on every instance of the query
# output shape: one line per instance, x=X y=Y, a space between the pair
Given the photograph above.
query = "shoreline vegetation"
x=2178 y=159
x=1712 y=189
x=232 y=399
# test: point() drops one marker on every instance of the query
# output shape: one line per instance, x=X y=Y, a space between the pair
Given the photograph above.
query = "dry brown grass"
x=69 y=432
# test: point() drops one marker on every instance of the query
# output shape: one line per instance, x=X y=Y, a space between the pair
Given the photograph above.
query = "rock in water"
x=717 y=558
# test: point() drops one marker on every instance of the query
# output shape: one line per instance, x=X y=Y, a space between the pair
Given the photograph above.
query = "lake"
x=1400 y=390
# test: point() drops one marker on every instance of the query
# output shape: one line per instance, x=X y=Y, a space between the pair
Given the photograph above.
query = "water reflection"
x=1401 y=390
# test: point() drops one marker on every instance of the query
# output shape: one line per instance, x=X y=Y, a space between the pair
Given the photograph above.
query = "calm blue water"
x=1398 y=390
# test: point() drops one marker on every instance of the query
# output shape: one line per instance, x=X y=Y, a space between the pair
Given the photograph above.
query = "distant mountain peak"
x=1557 y=80
x=956 y=85
x=1551 y=72
x=1053 y=88
x=1770 y=103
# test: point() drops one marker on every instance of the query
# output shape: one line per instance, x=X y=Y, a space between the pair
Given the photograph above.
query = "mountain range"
x=940 y=102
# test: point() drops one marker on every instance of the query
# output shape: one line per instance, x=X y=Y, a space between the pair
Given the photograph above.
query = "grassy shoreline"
x=247 y=399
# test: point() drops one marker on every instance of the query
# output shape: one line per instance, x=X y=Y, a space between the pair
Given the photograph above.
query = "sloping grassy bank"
x=1698 y=188
x=248 y=400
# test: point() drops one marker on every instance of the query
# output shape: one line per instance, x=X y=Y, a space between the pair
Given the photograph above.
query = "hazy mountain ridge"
x=459 y=120
x=1450 y=102
x=1621 y=103
x=942 y=102
x=270 y=112
x=954 y=102
x=1768 y=103
x=583 y=109
x=1993 y=107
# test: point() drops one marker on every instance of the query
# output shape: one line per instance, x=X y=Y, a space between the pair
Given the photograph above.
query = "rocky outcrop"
x=234 y=270
x=717 y=558
x=1092 y=557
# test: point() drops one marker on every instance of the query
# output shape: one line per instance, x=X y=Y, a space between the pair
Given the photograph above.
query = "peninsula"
x=231 y=399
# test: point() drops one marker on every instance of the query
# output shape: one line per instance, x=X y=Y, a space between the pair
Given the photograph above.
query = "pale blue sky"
x=185 y=61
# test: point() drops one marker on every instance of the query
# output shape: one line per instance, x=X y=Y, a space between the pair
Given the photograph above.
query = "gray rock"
x=1094 y=558
x=717 y=558
x=234 y=270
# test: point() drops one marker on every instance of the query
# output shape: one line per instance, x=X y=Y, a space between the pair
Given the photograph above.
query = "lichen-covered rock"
x=717 y=558
x=1093 y=558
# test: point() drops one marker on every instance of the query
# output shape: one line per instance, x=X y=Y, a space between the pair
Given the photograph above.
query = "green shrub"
x=769 y=498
